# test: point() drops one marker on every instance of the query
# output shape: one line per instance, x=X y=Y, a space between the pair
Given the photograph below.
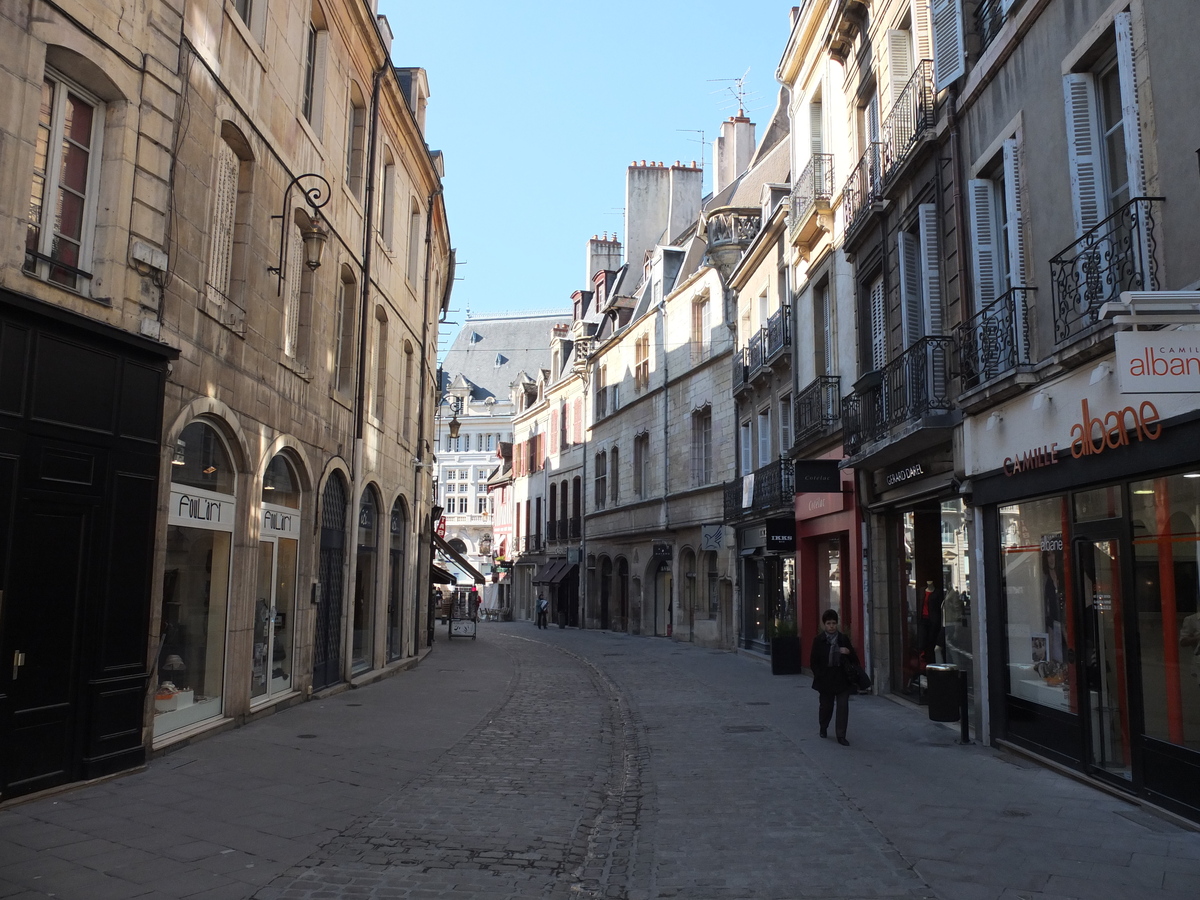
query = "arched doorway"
x=362 y=648
x=621 y=589
x=327 y=643
x=397 y=570
x=275 y=603
x=606 y=586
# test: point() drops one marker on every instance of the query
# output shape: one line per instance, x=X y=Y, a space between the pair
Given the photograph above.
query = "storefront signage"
x=1162 y=362
x=817 y=476
x=712 y=537
x=662 y=551
x=781 y=535
x=1046 y=455
x=280 y=521
x=198 y=508
x=810 y=506
x=908 y=473
x=1114 y=428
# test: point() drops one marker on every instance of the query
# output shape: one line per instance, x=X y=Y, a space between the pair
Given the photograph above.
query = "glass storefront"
x=190 y=663
x=934 y=602
x=275 y=600
x=829 y=581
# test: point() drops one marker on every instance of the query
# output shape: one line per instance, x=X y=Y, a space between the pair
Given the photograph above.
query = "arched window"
x=381 y=353
x=347 y=308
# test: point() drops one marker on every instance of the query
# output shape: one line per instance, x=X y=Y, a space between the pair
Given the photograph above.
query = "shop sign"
x=1114 y=428
x=662 y=551
x=197 y=508
x=810 y=506
x=1046 y=455
x=753 y=538
x=908 y=473
x=817 y=476
x=1158 y=362
x=781 y=535
x=280 y=521
x=712 y=537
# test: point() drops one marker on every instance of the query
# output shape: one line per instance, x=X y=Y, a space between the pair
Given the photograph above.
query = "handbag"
x=857 y=676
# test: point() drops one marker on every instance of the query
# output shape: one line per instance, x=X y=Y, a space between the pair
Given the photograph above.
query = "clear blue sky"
x=539 y=108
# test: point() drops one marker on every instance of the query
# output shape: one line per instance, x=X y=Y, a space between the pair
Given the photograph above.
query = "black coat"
x=829 y=679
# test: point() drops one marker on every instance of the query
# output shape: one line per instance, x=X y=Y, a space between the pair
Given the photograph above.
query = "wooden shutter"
x=878 y=301
x=911 y=305
x=1083 y=150
x=984 y=244
x=922 y=29
x=577 y=421
x=1014 y=203
x=949 y=42
x=224 y=209
x=747 y=450
x=554 y=431
x=931 y=268
x=900 y=64
x=295 y=274
x=816 y=128
x=1130 y=116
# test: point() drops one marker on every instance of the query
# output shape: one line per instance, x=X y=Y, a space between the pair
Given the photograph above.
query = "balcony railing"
x=1117 y=255
x=818 y=409
x=755 y=351
x=996 y=339
x=772 y=487
x=532 y=543
x=989 y=16
x=863 y=186
x=576 y=528
x=912 y=116
x=913 y=385
x=779 y=331
x=740 y=368
x=814 y=188
x=732 y=228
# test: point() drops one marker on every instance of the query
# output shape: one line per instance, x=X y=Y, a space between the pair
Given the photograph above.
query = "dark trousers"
x=541 y=619
x=825 y=713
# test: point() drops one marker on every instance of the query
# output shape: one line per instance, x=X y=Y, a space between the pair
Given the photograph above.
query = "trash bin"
x=942 y=692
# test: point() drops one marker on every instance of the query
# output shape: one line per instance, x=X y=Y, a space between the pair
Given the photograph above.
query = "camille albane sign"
x=1092 y=435
x=1158 y=362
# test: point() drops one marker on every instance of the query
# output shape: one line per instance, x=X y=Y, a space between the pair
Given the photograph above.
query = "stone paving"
x=562 y=764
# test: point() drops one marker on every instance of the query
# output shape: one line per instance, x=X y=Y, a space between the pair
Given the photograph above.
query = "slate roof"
x=492 y=353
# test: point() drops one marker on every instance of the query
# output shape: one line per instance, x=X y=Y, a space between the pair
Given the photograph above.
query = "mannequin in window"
x=929 y=621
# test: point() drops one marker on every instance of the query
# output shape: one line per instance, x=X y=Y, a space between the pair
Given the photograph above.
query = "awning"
x=562 y=572
x=440 y=576
x=546 y=572
x=440 y=544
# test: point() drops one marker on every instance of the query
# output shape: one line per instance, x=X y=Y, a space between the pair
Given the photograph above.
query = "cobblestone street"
x=556 y=764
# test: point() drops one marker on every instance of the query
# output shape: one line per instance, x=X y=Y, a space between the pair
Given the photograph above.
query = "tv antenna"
x=736 y=87
x=702 y=142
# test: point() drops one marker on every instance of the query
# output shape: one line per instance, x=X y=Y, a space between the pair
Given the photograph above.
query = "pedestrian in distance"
x=543 y=608
x=831 y=650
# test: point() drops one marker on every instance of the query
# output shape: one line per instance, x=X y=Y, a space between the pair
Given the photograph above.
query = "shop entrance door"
x=1099 y=573
x=271 y=667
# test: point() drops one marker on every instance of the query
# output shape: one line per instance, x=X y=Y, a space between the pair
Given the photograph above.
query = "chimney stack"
x=603 y=254
x=732 y=151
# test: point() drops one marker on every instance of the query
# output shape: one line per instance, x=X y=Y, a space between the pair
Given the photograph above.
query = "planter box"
x=785 y=655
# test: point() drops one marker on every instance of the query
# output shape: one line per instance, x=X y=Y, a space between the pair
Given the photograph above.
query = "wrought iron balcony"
x=779 y=331
x=989 y=16
x=1117 y=255
x=996 y=339
x=740 y=368
x=911 y=118
x=811 y=196
x=864 y=185
x=755 y=351
x=771 y=487
x=818 y=409
x=913 y=385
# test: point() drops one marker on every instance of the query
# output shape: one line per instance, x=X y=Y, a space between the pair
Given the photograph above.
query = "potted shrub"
x=785 y=648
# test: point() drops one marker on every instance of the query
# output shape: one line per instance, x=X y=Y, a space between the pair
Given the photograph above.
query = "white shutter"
x=1015 y=207
x=816 y=127
x=1083 y=150
x=878 y=302
x=931 y=268
x=764 y=437
x=949 y=42
x=922 y=29
x=291 y=309
x=911 y=307
x=747 y=458
x=900 y=65
x=1130 y=116
x=984 y=245
x=224 y=208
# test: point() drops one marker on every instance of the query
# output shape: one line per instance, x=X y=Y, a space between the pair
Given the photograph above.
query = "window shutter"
x=922 y=28
x=577 y=421
x=949 y=42
x=816 y=128
x=747 y=465
x=900 y=65
x=910 y=287
x=984 y=246
x=1083 y=150
x=1015 y=206
x=295 y=273
x=764 y=438
x=1131 y=120
x=827 y=337
x=224 y=208
x=554 y=431
x=878 y=325
x=931 y=268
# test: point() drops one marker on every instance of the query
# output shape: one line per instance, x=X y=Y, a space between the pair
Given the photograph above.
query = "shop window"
x=62 y=201
x=275 y=604
x=1166 y=544
x=190 y=664
x=1037 y=602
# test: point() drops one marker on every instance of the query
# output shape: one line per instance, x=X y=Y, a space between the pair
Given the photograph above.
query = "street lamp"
x=314 y=235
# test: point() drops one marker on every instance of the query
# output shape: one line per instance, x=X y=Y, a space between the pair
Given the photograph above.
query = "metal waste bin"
x=942 y=692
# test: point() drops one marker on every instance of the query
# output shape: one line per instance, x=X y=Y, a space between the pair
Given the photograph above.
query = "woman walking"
x=830 y=650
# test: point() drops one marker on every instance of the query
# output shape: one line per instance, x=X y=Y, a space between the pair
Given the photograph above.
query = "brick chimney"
x=687 y=190
x=732 y=151
x=647 y=208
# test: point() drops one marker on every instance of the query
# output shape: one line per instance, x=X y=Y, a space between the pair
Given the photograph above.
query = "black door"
x=327 y=646
x=43 y=608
